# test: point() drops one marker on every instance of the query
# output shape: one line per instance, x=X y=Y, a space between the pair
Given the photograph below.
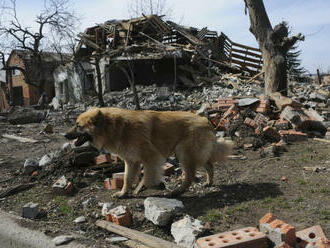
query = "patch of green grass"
x=312 y=190
x=301 y=181
x=324 y=190
x=277 y=202
x=212 y=215
x=64 y=206
x=323 y=214
x=267 y=200
x=299 y=199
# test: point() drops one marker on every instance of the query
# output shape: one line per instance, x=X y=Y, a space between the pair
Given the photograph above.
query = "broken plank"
x=322 y=140
x=255 y=76
x=18 y=138
x=141 y=237
x=16 y=190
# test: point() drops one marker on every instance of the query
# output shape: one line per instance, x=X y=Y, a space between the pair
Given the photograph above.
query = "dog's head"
x=87 y=127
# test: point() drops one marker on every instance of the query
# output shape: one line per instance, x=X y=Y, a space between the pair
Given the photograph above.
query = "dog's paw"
x=207 y=184
x=119 y=194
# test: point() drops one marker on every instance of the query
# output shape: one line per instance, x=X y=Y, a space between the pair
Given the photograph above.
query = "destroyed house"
x=149 y=50
x=3 y=91
x=24 y=93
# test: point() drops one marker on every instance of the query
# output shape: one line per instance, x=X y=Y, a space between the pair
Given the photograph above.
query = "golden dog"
x=149 y=137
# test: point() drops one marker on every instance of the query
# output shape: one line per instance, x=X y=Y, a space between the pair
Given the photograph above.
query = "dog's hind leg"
x=131 y=172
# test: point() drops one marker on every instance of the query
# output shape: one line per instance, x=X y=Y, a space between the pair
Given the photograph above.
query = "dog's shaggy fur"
x=148 y=138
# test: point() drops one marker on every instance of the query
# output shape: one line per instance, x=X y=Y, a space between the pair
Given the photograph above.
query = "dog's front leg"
x=131 y=170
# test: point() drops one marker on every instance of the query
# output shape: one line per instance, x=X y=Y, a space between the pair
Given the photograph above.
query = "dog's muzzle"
x=82 y=138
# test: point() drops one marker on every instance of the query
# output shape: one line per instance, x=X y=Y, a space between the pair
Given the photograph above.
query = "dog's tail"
x=221 y=149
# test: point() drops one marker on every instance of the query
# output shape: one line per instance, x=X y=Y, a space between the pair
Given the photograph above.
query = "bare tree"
x=149 y=7
x=55 y=21
x=274 y=44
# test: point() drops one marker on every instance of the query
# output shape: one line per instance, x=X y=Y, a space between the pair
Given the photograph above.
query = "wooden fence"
x=245 y=57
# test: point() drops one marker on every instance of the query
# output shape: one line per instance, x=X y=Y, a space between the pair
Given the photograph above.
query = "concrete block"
x=248 y=237
x=186 y=230
x=30 y=210
x=161 y=210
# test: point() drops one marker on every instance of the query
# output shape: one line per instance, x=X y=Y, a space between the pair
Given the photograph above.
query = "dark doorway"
x=18 y=96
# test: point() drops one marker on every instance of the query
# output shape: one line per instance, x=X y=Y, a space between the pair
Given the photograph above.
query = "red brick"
x=248 y=237
x=107 y=183
x=262 y=110
x=35 y=173
x=124 y=219
x=292 y=135
x=290 y=233
x=314 y=236
x=117 y=183
x=261 y=120
x=168 y=169
x=276 y=223
x=267 y=218
x=230 y=112
x=284 y=245
x=103 y=159
x=250 y=123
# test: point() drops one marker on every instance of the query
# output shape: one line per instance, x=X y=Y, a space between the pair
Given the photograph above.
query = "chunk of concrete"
x=161 y=210
x=106 y=208
x=45 y=160
x=80 y=219
x=186 y=230
x=62 y=240
x=30 y=165
x=30 y=210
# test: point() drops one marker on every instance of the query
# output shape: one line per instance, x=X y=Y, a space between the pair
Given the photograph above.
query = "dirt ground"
x=245 y=189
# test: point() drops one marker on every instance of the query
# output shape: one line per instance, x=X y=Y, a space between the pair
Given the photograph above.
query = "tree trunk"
x=99 y=82
x=274 y=45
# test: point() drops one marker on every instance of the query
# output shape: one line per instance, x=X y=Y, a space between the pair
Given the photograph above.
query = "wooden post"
x=319 y=76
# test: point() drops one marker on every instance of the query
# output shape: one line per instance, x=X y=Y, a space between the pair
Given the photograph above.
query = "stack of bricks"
x=279 y=232
x=248 y=237
x=226 y=103
x=263 y=106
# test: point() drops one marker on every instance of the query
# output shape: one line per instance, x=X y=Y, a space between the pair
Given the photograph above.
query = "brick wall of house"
x=18 y=78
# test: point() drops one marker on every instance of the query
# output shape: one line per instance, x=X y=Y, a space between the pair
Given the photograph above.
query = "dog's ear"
x=97 y=120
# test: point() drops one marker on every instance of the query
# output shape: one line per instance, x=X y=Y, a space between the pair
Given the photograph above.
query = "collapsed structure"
x=148 y=50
